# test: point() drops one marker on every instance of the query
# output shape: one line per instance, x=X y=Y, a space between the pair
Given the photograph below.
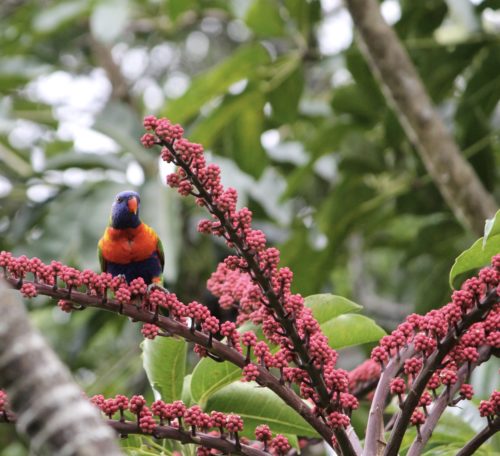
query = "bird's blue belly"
x=147 y=269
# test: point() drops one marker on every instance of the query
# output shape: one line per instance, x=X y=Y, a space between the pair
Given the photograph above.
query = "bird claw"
x=155 y=286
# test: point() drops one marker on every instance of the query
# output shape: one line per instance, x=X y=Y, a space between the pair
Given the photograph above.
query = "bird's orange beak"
x=132 y=205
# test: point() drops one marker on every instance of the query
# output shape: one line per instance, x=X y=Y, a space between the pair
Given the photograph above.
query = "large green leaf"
x=327 y=306
x=164 y=360
x=242 y=64
x=480 y=253
x=256 y=406
x=210 y=376
x=351 y=329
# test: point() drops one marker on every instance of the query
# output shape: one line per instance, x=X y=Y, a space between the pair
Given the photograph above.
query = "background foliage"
x=288 y=107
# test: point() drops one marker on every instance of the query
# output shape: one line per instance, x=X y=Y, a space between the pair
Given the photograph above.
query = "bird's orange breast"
x=127 y=245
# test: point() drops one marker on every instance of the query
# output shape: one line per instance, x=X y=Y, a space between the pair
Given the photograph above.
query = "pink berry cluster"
x=467 y=325
x=178 y=415
x=101 y=285
x=253 y=282
x=3 y=402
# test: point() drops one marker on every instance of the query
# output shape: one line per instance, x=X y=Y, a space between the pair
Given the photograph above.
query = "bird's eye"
x=119 y=200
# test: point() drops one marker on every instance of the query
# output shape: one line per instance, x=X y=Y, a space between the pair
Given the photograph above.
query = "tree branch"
x=375 y=426
x=347 y=443
x=430 y=366
x=173 y=433
x=454 y=176
x=177 y=329
x=50 y=407
x=480 y=438
x=443 y=401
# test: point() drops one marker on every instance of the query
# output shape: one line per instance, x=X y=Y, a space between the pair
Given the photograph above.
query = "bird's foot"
x=155 y=286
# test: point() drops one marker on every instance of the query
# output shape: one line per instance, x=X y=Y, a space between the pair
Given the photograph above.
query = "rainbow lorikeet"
x=129 y=247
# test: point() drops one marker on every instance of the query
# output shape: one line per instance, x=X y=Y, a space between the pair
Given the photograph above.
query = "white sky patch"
x=37 y=159
x=211 y=25
x=197 y=45
x=74 y=177
x=176 y=85
x=340 y=77
x=86 y=139
x=24 y=134
x=290 y=151
x=153 y=97
x=391 y=11
x=134 y=62
x=335 y=33
x=164 y=169
x=270 y=138
x=40 y=192
x=5 y=186
x=238 y=87
x=238 y=31
x=330 y=5
x=135 y=174
x=326 y=167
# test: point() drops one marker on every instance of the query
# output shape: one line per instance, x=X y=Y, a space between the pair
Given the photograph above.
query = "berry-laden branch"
x=285 y=320
x=492 y=428
x=177 y=422
x=438 y=349
x=135 y=302
x=446 y=398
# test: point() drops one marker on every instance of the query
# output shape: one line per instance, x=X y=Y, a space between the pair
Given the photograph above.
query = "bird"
x=129 y=247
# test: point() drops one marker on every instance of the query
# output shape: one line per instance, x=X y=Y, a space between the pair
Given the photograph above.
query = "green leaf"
x=210 y=376
x=186 y=391
x=327 y=306
x=164 y=360
x=480 y=253
x=264 y=19
x=285 y=98
x=208 y=128
x=351 y=329
x=256 y=406
x=246 y=149
x=242 y=64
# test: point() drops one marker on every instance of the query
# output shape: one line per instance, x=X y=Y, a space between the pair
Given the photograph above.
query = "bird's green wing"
x=161 y=253
x=102 y=261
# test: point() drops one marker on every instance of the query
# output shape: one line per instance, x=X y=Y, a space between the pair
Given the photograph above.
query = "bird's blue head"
x=125 y=210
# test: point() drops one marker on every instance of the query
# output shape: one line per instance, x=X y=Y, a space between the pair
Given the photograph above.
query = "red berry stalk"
x=283 y=316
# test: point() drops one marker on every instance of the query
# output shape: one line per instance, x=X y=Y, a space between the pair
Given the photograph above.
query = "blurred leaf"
x=177 y=8
x=109 y=19
x=210 y=376
x=480 y=253
x=207 y=129
x=327 y=306
x=164 y=360
x=285 y=98
x=242 y=64
x=348 y=99
x=59 y=14
x=258 y=405
x=85 y=161
x=264 y=18
x=246 y=148
x=350 y=329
